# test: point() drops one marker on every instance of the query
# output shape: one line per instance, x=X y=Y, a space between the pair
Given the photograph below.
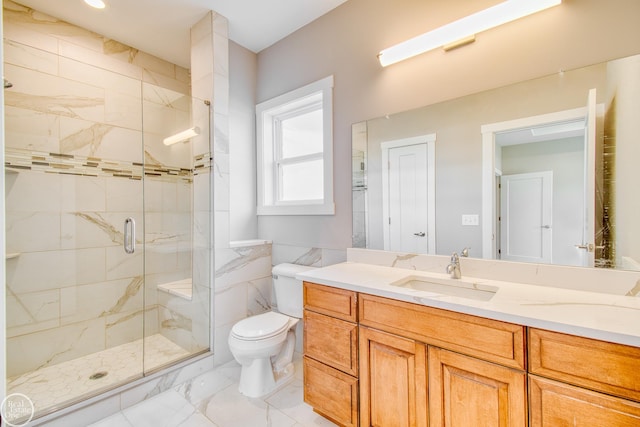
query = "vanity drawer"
x=331 y=341
x=487 y=339
x=598 y=365
x=557 y=404
x=333 y=302
x=331 y=393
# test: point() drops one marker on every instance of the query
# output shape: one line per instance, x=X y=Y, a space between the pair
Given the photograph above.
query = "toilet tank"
x=288 y=290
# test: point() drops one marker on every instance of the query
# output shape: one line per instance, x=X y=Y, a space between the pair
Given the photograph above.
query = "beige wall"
x=345 y=43
x=242 y=146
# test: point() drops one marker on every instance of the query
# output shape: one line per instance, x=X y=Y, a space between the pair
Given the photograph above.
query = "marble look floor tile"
x=204 y=387
x=212 y=400
x=231 y=370
x=168 y=409
x=197 y=420
x=290 y=401
x=117 y=420
x=229 y=408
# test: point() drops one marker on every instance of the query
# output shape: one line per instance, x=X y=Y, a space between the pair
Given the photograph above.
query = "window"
x=295 y=152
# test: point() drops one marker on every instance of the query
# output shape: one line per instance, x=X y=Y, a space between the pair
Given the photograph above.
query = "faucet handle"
x=465 y=252
x=454 y=257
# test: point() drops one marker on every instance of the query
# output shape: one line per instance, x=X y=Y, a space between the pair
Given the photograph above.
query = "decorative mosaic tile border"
x=68 y=164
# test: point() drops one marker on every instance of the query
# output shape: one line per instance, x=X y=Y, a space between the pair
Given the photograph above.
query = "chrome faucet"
x=454 y=267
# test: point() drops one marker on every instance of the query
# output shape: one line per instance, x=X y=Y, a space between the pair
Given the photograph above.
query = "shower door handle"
x=129 y=235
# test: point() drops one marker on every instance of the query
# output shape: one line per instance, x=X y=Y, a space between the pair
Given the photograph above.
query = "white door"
x=525 y=217
x=408 y=215
x=587 y=246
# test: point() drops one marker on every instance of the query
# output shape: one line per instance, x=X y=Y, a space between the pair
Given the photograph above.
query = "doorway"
x=526 y=214
x=564 y=142
x=408 y=194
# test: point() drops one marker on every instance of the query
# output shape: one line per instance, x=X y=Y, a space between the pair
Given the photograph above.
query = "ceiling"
x=161 y=27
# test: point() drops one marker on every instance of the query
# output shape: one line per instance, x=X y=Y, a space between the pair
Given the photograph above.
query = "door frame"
x=489 y=132
x=430 y=141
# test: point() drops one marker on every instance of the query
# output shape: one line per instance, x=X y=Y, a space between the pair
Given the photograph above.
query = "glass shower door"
x=177 y=225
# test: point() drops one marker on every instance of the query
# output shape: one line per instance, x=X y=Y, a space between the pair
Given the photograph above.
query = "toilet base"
x=265 y=375
x=259 y=379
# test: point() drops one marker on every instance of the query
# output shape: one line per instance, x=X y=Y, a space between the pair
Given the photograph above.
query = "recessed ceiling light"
x=98 y=4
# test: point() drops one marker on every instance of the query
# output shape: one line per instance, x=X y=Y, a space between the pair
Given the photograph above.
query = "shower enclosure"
x=108 y=229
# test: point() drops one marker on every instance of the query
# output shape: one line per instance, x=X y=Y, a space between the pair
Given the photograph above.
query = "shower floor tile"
x=72 y=380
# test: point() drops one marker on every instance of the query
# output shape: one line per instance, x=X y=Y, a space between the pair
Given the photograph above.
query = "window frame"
x=269 y=149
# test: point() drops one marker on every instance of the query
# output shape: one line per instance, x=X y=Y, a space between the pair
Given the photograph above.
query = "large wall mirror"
x=546 y=170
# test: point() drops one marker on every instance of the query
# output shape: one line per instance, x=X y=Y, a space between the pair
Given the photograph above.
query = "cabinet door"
x=393 y=384
x=464 y=391
x=557 y=404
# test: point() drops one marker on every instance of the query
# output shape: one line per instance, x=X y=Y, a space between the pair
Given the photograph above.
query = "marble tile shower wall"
x=210 y=81
x=75 y=157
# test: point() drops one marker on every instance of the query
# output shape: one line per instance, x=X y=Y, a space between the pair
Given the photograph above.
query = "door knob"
x=419 y=234
x=589 y=247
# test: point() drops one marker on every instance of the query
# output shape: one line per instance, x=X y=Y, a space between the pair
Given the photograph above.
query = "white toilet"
x=264 y=344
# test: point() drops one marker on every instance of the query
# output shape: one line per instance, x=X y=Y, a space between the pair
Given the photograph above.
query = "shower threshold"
x=56 y=386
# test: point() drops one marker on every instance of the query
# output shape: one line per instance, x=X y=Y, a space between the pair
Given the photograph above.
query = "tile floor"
x=67 y=381
x=213 y=400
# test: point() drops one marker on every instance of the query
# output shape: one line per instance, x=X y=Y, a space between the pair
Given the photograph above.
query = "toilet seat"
x=261 y=326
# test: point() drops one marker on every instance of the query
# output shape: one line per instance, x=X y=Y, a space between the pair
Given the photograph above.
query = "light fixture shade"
x=98 y=4
x=494 y=16
x=182 y=136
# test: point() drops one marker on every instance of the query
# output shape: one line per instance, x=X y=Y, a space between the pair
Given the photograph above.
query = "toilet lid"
x=261 y=326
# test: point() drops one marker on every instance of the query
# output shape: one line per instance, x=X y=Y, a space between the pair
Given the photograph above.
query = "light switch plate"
x=470 y=219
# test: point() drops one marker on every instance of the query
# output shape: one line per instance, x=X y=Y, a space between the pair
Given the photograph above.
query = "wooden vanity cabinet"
x=331 y=353
x=582 y=382
x=424 y=366
x=382 y=362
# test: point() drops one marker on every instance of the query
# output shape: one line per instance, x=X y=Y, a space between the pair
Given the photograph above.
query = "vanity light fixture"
x=463 y=31
x=182 y=136
x=98 y=4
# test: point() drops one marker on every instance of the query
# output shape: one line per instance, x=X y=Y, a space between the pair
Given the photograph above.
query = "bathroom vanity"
x=392 y=347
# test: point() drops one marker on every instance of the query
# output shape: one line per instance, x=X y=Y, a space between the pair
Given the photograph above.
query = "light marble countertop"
x=607 y=317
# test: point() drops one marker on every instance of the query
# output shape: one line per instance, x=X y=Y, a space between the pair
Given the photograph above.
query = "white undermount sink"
x=452 y=287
